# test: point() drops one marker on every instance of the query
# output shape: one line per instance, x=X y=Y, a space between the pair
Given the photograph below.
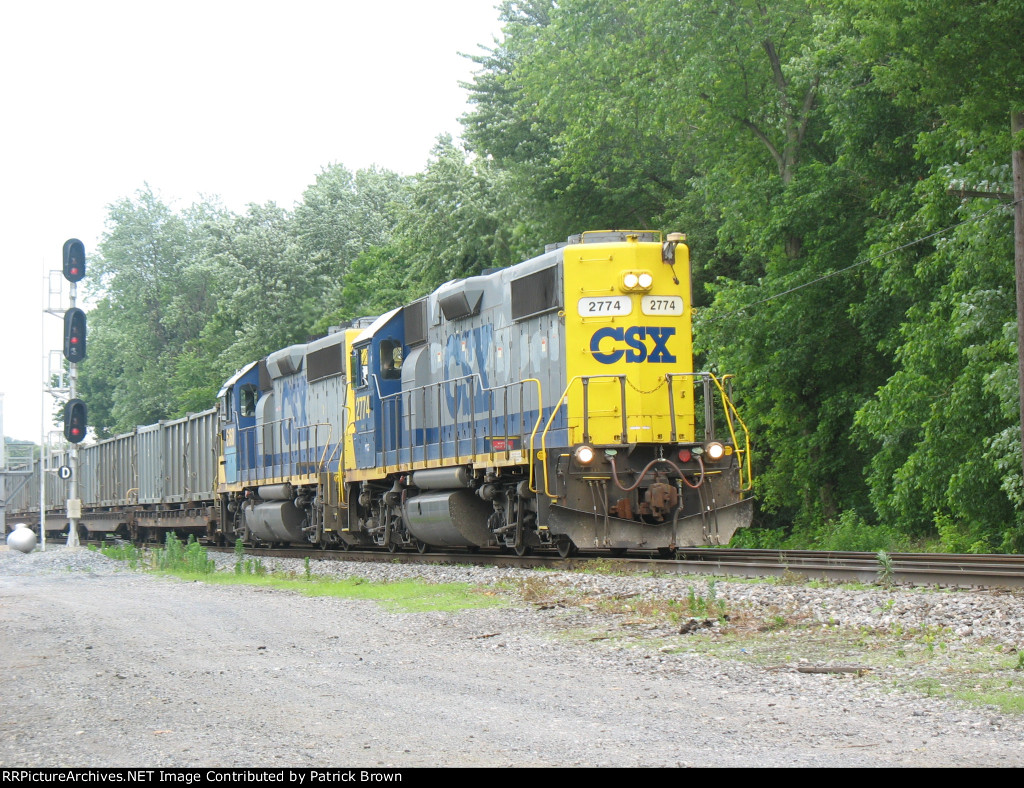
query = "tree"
x=463 y=215
x=151 y=303
x=343 y=214
x=955 y=348
x=269 y=294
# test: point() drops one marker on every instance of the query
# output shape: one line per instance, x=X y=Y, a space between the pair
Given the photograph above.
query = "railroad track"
x=917 y=569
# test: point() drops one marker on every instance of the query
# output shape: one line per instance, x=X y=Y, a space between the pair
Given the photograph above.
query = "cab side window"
x=391 y=359
x=360 y=372
x=247 y=401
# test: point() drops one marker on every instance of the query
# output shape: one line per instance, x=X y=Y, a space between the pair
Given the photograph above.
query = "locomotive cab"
x=376 y=374
x=238 y=398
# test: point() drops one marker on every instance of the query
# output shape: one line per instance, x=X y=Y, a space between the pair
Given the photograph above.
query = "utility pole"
x=1017 y=197
x=1017 y=156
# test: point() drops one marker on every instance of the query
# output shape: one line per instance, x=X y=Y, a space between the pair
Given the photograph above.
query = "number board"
x=600 y=306
x=661 y=305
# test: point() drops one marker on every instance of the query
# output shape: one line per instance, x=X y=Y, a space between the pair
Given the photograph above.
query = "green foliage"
x=153 y=301
x=373 y=284
x=187 y=559
x=849 y=531
x=464 y=215
x=123 y=552
x=701 y=605
x=248 y=566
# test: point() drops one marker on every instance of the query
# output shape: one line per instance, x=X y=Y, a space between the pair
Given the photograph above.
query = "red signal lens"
x=685 y=455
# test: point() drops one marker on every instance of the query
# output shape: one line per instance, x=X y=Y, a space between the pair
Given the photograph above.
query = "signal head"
x=75 y=421
x=74 y=335
x=74 y=260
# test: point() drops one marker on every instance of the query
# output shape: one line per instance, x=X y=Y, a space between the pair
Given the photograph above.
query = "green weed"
x=885 y=568
x=179 y=559
x=123 y=552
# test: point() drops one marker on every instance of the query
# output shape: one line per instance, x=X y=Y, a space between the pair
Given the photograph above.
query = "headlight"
x=630 y=280
x=585 y=455
x=715 y=450
x=645 y=280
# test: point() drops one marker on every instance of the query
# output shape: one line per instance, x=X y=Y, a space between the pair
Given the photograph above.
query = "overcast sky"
x=247 y=101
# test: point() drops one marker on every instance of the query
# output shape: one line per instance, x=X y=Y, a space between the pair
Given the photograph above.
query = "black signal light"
x=74 y=335
x=74 y=260
x=75 y=420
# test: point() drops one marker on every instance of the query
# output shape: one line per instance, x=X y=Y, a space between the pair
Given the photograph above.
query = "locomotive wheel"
x=394 y=547
x=566 y=547
x=422 y=547
x=522 y=549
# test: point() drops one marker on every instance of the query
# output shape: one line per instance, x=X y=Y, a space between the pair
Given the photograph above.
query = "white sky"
x=242 y=99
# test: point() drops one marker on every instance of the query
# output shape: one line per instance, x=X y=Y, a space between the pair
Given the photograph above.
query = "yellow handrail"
x=728 y=407
x=543 y=438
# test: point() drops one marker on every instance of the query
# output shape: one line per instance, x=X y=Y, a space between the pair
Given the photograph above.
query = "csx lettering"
x=635 y=339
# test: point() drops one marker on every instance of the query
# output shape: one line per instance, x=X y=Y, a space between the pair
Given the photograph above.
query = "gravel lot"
x=104 y=666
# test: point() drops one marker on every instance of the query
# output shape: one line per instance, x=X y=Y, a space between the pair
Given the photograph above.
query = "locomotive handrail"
x=728 y=408
x=709 y=408
x=543 y=454
x=282 y=464
x=390 y=409
x=729 y=411
x=349 y=425
x=585 y=382
x=324 y=461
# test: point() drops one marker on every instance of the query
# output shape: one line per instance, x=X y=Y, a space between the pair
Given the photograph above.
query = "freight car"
x=551 y=404
x=156 y=479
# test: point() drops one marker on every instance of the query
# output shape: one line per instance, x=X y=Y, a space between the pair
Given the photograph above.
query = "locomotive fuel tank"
x=449 y=518
x=275 y=521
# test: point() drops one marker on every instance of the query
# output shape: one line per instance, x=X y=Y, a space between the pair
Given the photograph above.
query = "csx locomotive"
x=551 y=405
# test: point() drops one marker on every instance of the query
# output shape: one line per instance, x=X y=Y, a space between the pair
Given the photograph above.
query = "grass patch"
x=122 y=552
x=410 y=596
x=190 y=561
x=1009 y=700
